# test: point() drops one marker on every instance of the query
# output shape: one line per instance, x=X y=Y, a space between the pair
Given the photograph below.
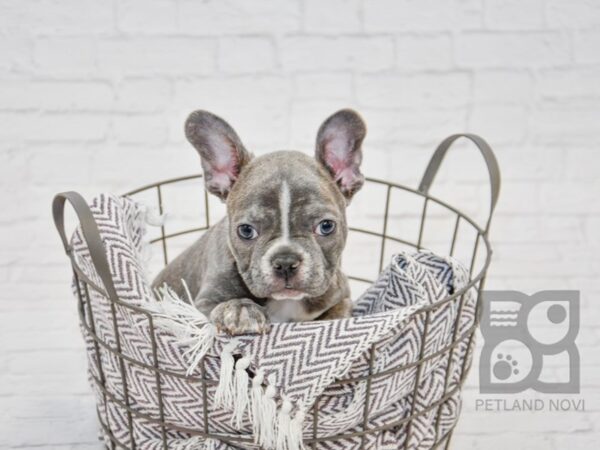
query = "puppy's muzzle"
x=285 y=265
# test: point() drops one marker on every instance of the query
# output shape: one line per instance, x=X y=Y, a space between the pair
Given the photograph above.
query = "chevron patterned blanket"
x=274 y=388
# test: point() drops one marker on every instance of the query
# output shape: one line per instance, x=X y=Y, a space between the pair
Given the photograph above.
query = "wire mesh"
x=477 y=271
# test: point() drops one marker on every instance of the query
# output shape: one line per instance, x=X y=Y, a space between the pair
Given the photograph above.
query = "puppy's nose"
x=285 y=265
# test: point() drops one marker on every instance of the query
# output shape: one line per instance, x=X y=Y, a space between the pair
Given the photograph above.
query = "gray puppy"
x=276 y=255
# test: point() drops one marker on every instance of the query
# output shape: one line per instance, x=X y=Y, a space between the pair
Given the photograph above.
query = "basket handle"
x=90 y=232
x=488 y=156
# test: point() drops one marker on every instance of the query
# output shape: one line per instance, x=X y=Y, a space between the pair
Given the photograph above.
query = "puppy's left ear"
x=339 y=143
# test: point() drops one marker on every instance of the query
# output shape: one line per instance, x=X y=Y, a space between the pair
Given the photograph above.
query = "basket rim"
x=472 y=283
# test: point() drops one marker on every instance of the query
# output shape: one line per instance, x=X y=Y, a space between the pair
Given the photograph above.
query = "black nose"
x=285 y=265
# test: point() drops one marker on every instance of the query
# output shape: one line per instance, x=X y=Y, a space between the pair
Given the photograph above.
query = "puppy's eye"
x=325 y=227
x=247 y=232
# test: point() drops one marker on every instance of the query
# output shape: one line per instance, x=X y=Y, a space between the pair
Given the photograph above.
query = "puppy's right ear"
x=221 y=151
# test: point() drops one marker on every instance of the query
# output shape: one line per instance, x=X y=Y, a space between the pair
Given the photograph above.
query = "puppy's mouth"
x=288 y=294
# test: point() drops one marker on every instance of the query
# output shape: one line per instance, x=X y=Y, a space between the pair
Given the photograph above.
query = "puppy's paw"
x=239 y=316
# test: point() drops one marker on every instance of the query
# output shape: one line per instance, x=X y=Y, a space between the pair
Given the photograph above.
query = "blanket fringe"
x=224 y=395
x=289 y=431
x=203 y=339
x=147 y=216
x=274 y=426
x=185 y=321
x=241 y=380
x=152 y=215
x=266 y=434
x=256 y=394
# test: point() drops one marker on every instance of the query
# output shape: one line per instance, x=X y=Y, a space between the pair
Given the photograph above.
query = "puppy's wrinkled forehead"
x=284 y=180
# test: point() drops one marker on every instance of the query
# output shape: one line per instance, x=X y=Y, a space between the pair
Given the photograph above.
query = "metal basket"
x=480 y=255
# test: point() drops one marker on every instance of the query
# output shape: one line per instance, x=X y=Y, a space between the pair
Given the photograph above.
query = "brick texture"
x=93 y=95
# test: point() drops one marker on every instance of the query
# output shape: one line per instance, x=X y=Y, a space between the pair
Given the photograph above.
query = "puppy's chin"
x=288 y=294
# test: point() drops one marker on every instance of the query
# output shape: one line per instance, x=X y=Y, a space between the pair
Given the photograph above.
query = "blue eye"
x=247 y=232
x=325 y=227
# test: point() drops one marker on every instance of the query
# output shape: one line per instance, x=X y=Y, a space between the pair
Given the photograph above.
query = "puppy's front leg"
x=240 y=316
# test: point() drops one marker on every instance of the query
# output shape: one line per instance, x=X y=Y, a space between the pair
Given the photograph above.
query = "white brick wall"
x=93 y=95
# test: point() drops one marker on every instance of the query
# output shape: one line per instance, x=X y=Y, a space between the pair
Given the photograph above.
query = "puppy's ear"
x=339 y=143
x=221 y=151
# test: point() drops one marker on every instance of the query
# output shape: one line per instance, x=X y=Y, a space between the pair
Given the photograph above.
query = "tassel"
x=241 y=400
x=297 y=426
x=256 y=396
x=266 y=425
x=283 y=425
x=289 y=431
x=224 y=392
x=203 y=338
x=188 y=293
x=153 y=217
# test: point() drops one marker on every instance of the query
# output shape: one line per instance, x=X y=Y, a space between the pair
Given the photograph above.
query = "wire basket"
x=461 y=233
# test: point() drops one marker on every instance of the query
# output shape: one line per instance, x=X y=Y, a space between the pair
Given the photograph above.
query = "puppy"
x=276 y=255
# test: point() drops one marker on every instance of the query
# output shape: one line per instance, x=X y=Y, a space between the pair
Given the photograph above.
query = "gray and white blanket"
x=272 y=389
